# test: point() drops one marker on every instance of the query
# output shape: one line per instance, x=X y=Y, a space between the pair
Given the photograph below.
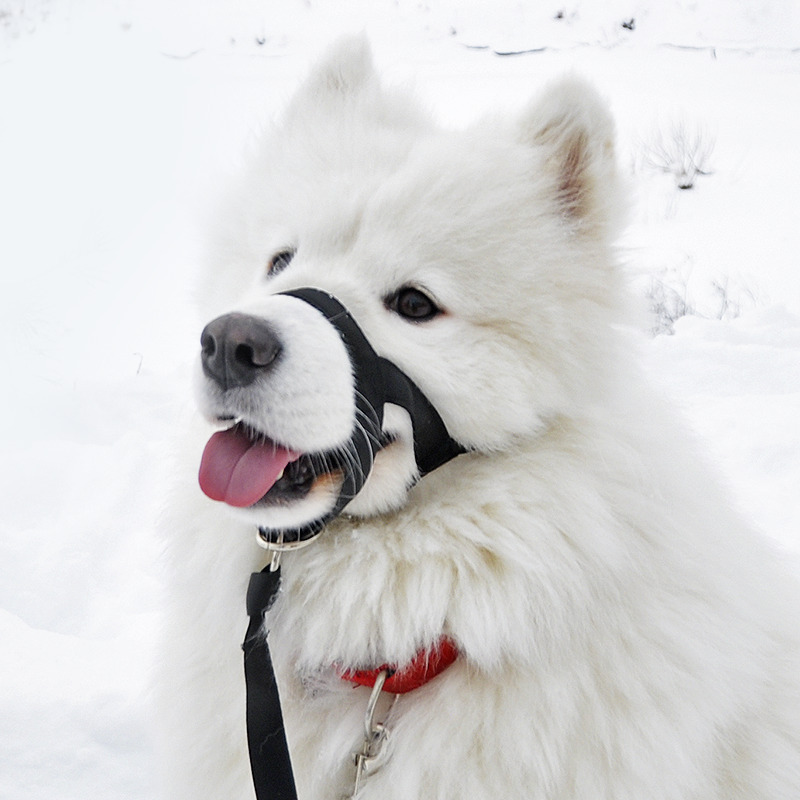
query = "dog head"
x=471 y=263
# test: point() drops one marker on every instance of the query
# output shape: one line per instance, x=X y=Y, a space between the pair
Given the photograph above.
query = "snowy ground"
x=117 y=120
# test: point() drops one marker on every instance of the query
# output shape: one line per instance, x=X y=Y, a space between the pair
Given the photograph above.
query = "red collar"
x=424 y=667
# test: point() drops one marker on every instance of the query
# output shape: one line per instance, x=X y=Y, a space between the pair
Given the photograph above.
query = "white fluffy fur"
x=623 y=636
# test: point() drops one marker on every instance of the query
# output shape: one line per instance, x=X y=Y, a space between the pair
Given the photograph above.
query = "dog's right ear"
x=344 y=73
x=573 y=128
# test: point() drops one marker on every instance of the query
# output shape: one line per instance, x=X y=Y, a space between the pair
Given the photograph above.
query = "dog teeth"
x=280 y=474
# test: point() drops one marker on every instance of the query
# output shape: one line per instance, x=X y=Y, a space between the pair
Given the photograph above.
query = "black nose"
x=237 y=348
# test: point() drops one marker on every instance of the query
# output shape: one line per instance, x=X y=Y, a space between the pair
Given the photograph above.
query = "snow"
x=117 y=121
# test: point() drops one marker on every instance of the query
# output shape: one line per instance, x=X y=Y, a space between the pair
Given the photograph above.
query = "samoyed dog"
x=503 y=572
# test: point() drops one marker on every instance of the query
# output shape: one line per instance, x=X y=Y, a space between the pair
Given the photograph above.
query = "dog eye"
x=412 y=304
x=279 y=261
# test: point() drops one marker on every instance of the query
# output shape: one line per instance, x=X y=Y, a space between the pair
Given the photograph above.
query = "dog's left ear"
x=572 y=125
x=339 y=84
x=344 y=87
x=346 y=70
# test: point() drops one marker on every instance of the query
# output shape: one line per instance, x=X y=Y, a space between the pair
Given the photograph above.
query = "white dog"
x=586 y=616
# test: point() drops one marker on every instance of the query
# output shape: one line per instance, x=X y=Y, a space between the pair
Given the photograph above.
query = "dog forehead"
x=428 y=208
x=454 y=208
x=468 y=248
x=458 y=185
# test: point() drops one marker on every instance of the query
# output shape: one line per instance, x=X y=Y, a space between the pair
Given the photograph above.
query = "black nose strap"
x=433 y=445
x=377 y=382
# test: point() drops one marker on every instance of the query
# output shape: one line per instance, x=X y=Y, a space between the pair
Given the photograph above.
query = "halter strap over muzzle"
x=377 y=382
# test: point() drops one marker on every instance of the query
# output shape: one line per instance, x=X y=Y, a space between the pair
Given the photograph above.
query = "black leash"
x=270 y=763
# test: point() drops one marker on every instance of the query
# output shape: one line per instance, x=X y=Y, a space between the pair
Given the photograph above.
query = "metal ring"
x=280 y=545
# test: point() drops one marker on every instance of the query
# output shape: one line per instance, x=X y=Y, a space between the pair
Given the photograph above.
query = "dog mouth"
x=244 y=468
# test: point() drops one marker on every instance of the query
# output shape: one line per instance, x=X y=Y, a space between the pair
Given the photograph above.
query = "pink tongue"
x=238 y=471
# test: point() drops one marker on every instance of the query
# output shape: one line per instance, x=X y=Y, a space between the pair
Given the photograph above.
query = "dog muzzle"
x=377 y=382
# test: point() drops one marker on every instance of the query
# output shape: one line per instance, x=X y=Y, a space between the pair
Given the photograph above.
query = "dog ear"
x=344 y=72
x=573 y=127
x=344 y=87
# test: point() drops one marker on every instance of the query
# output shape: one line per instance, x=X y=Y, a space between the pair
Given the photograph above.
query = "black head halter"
x=377 y=382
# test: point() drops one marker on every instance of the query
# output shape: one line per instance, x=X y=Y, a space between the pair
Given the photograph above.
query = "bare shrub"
x=667 y=305
x=683 y=150
x=677 y=291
